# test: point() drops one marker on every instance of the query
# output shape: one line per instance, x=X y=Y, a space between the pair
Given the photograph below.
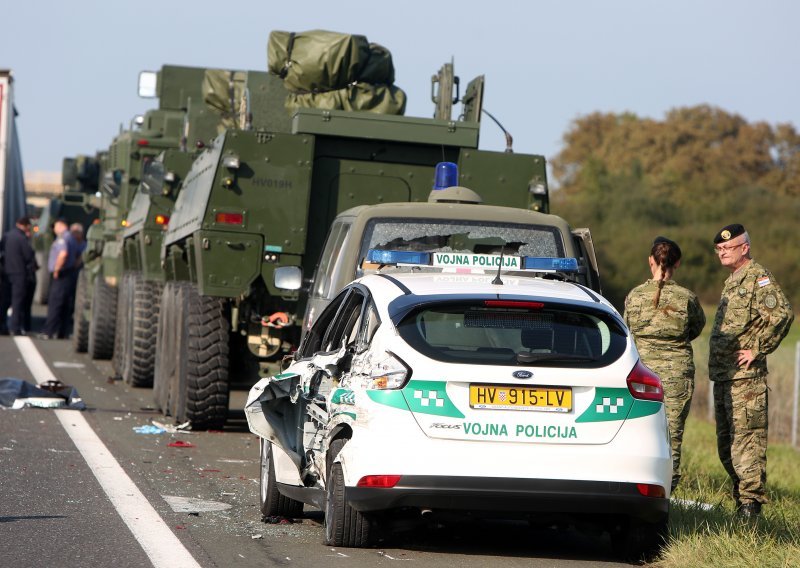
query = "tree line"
x=630 y=179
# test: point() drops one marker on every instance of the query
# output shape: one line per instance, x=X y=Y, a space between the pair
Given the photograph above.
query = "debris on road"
x=191 y=505
x=180 y=444
x=16 y=394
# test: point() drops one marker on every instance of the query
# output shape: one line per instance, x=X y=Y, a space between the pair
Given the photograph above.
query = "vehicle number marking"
x=546 y=399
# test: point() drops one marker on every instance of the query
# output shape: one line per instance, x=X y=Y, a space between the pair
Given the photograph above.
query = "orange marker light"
x=230 y=218
x=162 y=219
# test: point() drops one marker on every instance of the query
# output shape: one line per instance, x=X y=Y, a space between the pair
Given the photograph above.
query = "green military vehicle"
x=158 y=130
x=211 y=110
x=263 y=198
x=80 y=178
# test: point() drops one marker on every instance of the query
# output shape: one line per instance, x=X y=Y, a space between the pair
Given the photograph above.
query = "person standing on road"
x=752 y=319
x=19 y=267
x=61 y=265
x=664 y=318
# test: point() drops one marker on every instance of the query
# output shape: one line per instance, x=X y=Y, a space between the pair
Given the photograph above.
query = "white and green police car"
x=476 y=384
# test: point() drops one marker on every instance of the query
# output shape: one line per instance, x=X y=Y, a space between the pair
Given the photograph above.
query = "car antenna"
x=499 y=266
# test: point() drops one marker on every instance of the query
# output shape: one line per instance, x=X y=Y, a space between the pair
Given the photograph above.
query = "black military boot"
x=749 y=510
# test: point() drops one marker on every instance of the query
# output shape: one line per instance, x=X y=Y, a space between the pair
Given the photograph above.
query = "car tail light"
x=378 y=481
x=644 y=384
x=649 y=490
x=390 y=373
x=230 y=218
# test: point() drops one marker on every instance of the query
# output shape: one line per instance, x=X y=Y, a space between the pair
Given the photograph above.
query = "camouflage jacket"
x=754 y=314
x=663 y=334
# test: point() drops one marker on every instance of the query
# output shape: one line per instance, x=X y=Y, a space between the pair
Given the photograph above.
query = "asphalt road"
x=54 y=511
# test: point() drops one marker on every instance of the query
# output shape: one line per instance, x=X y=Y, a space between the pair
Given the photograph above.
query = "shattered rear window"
x=429 y=235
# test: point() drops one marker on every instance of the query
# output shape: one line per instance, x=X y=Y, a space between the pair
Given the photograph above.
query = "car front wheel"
x=273 y=503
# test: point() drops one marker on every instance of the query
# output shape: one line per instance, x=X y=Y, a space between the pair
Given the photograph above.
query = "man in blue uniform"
x=60 y=264
x=19 y=281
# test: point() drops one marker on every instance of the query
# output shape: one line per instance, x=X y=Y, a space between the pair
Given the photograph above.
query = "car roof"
x=385 y=287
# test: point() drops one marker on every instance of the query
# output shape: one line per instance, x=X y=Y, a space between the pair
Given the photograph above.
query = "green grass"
x=716 y=537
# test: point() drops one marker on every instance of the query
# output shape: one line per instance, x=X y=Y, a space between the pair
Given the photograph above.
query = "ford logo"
x=522 y=374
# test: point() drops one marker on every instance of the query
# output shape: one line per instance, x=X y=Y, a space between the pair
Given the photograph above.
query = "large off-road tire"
x=122 y=331
x=103 y=320
x=166 y=360
x=638 y=540
x=139 y=364
x=200 y=396
x=80 y=332
x=344 y=526
x=273 y=504
x=42 y=280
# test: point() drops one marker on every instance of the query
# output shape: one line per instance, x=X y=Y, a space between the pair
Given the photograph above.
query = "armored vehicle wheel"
x=165 y=357
x=104 y=312
x=344 y=526
x=143 y=322
x=201 y=393
x=80 y=333
x=273 y=504
x=122 y=332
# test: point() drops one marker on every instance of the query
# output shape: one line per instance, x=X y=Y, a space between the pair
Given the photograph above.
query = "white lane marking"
x=156 y=539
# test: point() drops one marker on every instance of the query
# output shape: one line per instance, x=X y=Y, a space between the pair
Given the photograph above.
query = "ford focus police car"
x=481 y=384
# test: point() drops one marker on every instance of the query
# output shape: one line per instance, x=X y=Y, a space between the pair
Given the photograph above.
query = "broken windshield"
x=436 y=235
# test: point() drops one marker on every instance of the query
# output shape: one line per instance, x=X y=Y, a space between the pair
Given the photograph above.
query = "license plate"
x=545 y=399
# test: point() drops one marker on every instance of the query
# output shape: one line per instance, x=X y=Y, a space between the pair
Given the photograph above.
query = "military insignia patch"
x=771 y=301
x=763 y=281
x=726 y=234
x=742 y=291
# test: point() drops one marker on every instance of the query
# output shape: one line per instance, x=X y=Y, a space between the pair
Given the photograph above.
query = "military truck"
x=139 y=292
x=158 y=130
x=259 y=199
x=80 y=176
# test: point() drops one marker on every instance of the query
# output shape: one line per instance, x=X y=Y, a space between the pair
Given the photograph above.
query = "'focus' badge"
x=522 y=374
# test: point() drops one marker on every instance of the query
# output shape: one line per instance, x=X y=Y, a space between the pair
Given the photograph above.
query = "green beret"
x=728 y=232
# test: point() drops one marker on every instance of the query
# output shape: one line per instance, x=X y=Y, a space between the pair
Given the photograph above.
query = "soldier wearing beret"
x=752 y=318
x=664 y=318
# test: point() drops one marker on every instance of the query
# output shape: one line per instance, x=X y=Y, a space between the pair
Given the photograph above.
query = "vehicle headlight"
x=390 y=373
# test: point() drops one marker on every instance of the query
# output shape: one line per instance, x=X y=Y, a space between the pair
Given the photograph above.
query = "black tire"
x=344 y=526
x=139 y=364
x=640 y=541
x=42 y=280
x=165 y=357
x=80 y=332
x=101 y=327
x=122 y=331
x=201 y=393
x=273 y=503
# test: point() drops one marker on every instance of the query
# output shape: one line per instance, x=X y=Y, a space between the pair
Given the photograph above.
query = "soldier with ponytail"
x=664 y=318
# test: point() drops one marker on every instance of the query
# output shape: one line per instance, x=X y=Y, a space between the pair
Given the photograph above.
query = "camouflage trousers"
x=677 y=400
x=740 y=410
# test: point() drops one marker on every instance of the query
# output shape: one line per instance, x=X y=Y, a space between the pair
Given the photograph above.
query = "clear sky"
x=76 y=62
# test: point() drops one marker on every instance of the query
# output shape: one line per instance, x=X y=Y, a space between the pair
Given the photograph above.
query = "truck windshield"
x=483 y=237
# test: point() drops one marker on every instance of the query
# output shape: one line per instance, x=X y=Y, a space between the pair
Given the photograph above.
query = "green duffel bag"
x=316 y=60
x=382 y=99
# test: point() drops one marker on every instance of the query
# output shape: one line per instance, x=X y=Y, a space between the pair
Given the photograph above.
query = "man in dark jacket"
x=19 y=280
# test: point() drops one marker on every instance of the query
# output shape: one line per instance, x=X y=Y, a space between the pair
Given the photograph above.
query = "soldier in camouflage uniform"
x=664 y=318
x=752 y=318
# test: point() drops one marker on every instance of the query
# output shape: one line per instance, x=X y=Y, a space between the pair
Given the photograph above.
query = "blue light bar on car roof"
x=554 y=264
x=471 y=261
x=398 y=257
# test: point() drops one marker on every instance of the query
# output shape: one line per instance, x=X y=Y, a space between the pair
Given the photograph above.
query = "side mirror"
x=148 y=82
x=288 y=277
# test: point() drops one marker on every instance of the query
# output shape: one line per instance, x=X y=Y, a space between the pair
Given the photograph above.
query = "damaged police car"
x=476 y=384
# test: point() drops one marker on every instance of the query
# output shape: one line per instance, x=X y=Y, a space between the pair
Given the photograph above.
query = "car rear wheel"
x=637 y=540
x=344 y=526
x=273 y=503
